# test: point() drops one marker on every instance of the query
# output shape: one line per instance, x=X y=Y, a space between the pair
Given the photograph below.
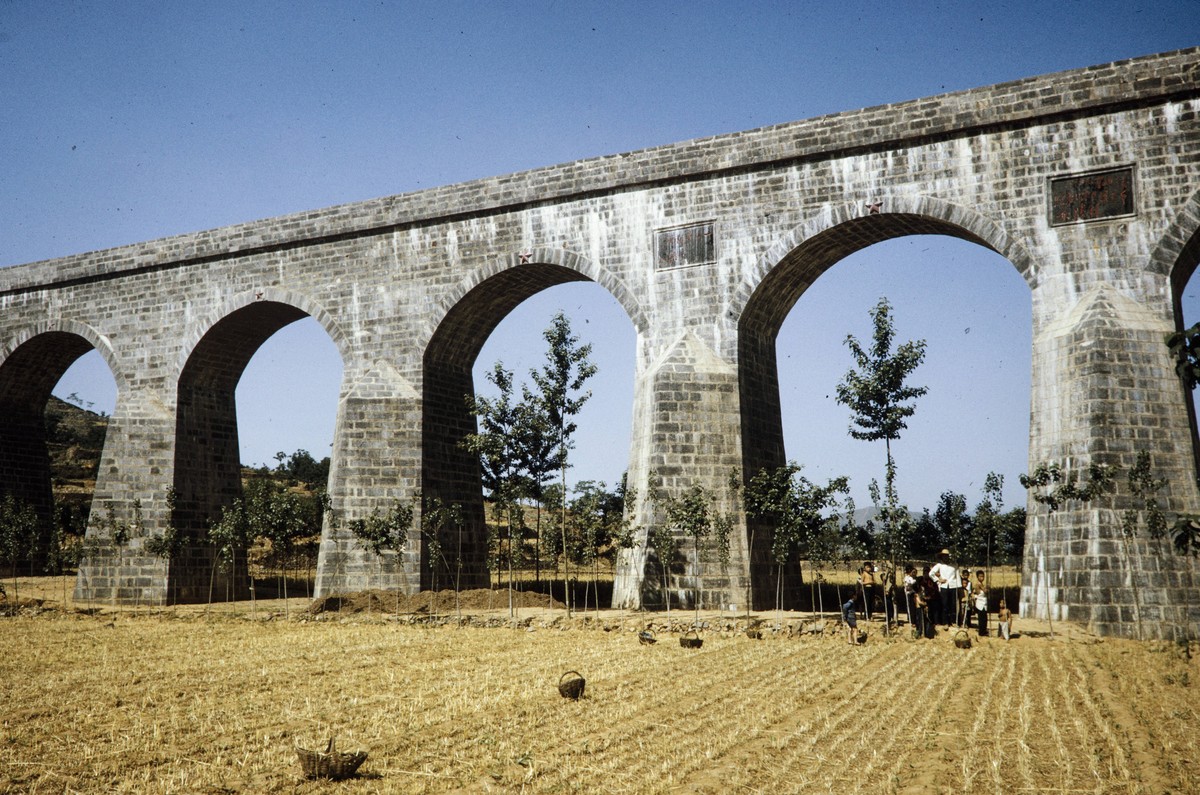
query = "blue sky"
x=123 y=122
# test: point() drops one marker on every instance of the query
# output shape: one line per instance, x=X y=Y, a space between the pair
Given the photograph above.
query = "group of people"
x=940 y=594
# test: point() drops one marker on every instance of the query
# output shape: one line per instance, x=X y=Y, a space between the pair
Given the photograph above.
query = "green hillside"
x=74 y=440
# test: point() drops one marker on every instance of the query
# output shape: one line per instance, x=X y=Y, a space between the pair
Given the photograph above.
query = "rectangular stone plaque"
x=1091 y=197
x=686 y=245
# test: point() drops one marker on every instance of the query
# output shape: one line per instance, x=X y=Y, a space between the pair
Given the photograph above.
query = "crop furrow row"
x=784 y=674
x=531 y=718
x=1056 y=767
x=886 y=756
x=758 y=707
x=1118 y=751
x=1025 y=729
x=834 y=722
x=1106 y=757
x=983 y=716
x=999 y=738
x=887 y=729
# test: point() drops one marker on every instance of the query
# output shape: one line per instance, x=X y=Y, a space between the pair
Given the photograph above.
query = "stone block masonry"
x=1088 y=181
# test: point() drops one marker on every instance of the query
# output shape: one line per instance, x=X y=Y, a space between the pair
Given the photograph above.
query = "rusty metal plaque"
x=1091 y=197
x=683 y=246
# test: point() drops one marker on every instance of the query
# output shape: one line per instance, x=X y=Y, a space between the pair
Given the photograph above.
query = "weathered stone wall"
x=409 y=287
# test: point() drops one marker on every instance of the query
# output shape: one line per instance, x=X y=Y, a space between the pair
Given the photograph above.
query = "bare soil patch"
x=427 y=602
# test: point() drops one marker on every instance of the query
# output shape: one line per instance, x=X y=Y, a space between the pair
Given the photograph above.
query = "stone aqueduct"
x=1087 y=181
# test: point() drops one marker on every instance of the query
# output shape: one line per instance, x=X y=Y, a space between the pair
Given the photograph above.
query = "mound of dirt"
x=20 y=606
x=376 y=601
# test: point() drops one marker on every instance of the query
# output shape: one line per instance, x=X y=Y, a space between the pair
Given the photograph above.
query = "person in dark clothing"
x=928 y=590
x=850 y=619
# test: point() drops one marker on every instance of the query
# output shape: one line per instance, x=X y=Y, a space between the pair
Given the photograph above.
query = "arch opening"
x=52 y=447
x=502 y=319
x=1185 y=288
x=792 y=355
x=216 y=431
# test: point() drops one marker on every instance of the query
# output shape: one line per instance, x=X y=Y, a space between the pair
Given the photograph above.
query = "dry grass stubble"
x=195 y=704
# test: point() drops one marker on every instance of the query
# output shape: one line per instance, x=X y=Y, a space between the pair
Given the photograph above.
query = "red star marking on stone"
x=873 y=208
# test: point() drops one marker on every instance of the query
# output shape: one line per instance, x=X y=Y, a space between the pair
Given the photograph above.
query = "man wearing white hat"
x=946 y=575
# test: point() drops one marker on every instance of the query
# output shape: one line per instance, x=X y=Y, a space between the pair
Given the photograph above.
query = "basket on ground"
x=754 y=634
x=646 y=637
x=570 y=685
x=691 y=640
x=962 y=640
x=330 y=763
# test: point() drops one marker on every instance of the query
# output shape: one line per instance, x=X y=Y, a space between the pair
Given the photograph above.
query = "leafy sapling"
x=383 y=532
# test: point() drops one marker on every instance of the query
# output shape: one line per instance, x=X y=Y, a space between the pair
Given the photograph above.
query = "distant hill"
x=74 y=440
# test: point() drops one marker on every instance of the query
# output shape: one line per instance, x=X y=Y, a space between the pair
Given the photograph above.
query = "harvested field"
x=189 y=702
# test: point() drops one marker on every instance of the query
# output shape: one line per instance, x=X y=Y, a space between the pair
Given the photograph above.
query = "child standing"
x=850 y=620
x=964 y=610
x=979 y=595
x=866 y=579
x=910 y=600
x=1004 y=619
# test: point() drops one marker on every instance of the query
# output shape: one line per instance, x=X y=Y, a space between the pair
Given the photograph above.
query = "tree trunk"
x=565 y=557
x=510 y=562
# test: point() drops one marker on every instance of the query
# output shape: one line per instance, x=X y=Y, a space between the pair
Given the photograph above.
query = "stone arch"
x=1178 y=250
x=786 y=270
x=207 y=456
x=836 y=231
x=97 y=341
x=1176 y=256
x=466 y=318
x=31 y=364
x=543 y=266
x=264 y=295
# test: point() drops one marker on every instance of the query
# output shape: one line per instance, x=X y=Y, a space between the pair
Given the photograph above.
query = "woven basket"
x=754 y=634
x=330 y=763
x=691 y=640
x=646 y=637
x=570 y=685
x=962 y=640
